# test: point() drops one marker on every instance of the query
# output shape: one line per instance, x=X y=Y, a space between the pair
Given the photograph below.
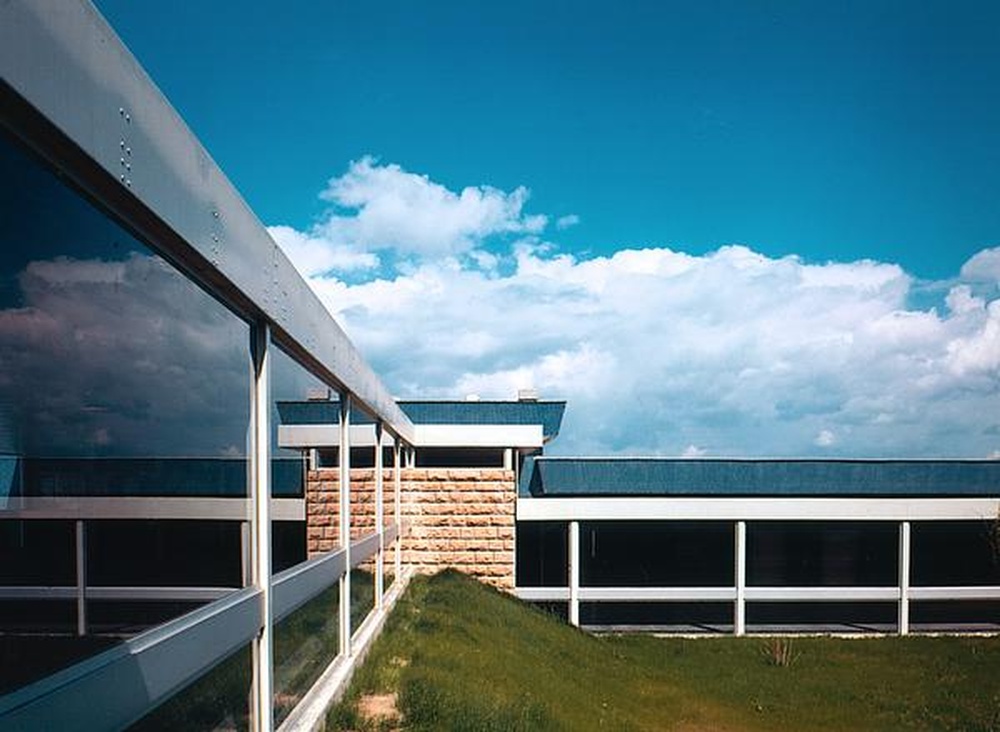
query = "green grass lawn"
x=461 y=656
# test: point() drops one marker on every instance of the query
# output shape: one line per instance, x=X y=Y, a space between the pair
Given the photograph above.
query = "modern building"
x=153 y=566
x=763 y=545
x=209 y=501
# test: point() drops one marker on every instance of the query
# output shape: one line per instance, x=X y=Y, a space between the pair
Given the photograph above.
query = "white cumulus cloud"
x=384 y=207
x=731 y=352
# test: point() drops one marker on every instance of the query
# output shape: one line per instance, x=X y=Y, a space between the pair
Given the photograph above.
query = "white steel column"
x=904 y=578
x=398 y=486
x=740 y=606
x=574 y=573
x=345 y=522
x=246 y=578
x=81 y=578
x=260 y=554
x=379 y=518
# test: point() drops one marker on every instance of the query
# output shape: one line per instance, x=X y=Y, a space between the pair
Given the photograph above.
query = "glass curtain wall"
x=307 y=639
x=119 y=378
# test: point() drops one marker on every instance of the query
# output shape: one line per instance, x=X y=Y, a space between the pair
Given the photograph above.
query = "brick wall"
x=457 y=517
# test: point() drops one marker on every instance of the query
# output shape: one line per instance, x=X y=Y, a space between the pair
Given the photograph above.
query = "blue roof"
x=556 y=476
x=549 y=414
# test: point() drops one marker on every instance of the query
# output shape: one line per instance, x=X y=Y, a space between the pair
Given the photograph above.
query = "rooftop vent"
x=527 y=395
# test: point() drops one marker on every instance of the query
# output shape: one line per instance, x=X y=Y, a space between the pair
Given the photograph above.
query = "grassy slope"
x=464 y=657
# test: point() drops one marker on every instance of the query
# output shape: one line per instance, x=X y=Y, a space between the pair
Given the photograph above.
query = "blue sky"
x=551 y=153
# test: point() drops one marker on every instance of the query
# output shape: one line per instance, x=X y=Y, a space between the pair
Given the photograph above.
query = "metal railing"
x=740 y=593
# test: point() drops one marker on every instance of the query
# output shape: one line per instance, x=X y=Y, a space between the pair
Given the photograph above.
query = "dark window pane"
x=164 y=553
x=37 y=552
x=715 y=617
x=839 y=616
x=541 y=554
x=657 y=553
x=816 y=553
x=119 y=377
x=954 y=553
x=459 y=457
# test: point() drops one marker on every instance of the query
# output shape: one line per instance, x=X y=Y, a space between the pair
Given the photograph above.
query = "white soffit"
x=426 y=435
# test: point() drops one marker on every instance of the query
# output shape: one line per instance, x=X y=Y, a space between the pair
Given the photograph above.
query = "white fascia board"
x=425 y=435
x=63 y=58
x=147 y=507
x=755 y=509
x=302 y=436
x=478 y=435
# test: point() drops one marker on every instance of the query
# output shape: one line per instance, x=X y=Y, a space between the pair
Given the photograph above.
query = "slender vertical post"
x=246 y=577
x=740 y=608
x=398 y=485
x=508 y=459
x=574 y=573
x=81 y=578
x=379 y=518
x=345 y=522
x=904 y=578
x=260 y=529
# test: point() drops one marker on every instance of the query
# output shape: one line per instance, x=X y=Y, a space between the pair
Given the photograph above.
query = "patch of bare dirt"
x=378 y=708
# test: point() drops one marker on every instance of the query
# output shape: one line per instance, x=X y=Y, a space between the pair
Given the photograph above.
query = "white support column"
x=260 y=529
x=81 y=578
x=246 y=577
x=904 y=578
x=740 y=606
x=508 y=459
x=574 y=573
x=345 y=522
x=398 y=486
x=379 y=518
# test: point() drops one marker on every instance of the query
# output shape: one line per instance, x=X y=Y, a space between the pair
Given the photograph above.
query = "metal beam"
x=656 y=594
x=397 y=480
x=740 y=561
x=262 y=703
x=114 y=689
x=758 y=594
x=379 y=518
x=188 y=594
x=161 y=507
x=755 y=509
x=344 y=454
x=76 y=76
x=297 y=585
x=903 y=615
x=574 y=573
x=81 y=578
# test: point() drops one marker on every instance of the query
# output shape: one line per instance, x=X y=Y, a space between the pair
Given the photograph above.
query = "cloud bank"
x=658 y=351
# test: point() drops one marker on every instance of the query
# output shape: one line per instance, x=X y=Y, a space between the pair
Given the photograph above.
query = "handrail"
x=132 y=678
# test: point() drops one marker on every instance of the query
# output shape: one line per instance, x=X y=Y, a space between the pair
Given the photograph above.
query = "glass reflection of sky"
x=105 y=350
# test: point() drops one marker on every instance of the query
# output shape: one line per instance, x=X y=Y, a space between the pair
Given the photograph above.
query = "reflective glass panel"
x=119 y=377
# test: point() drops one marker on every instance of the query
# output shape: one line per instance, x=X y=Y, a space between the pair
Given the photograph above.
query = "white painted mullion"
x=379 y=519
x=345 y=522
x=904 y=578
x=260 y=528
x=81 y=578
x=740 y=606
x=397 y=507
x=574 y=573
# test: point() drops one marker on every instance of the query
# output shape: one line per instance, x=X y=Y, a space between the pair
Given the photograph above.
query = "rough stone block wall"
x=457 y=517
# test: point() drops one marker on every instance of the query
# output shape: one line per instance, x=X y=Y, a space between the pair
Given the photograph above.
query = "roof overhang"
x=304 y=436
